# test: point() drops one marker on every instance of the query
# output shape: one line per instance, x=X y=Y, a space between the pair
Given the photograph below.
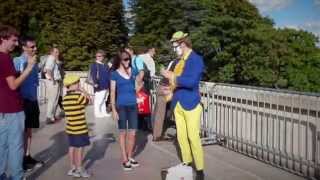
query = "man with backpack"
x=143 y=67
x=149 y=68
x=137 y=67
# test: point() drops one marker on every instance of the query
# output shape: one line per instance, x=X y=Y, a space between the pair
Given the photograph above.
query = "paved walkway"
x=103 y=157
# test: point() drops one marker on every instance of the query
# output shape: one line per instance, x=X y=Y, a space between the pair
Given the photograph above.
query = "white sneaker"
x=71 y=171
x=81 y=173
x=127 y=166
x=133 y=162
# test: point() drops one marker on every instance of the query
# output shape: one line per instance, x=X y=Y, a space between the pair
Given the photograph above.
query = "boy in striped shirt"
x=74 y=103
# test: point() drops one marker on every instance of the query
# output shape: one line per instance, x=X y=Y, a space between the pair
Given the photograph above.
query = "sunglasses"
x=32 y=47
x=126 y=59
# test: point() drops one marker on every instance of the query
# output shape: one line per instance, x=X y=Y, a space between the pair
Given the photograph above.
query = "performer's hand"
x=165 y=73
x=170 y=75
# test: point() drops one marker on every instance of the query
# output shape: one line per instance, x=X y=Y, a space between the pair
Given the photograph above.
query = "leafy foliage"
x=238 y=44
x=78 y=28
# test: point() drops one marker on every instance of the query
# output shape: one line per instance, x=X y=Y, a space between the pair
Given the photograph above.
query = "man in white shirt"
x=148 y=60
x=53 y=82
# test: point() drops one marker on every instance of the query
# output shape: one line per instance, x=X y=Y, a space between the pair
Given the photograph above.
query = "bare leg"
x=131 y=143
x=122 y=140
x=78 y=157
x=27 y=141
x=71 y=157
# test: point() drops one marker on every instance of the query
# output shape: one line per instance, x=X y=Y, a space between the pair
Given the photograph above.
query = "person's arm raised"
x=14 y=82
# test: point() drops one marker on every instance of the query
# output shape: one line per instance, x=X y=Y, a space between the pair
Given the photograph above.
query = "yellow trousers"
x=188 y=129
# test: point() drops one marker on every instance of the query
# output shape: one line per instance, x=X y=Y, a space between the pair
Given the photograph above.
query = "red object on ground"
x=143 y=100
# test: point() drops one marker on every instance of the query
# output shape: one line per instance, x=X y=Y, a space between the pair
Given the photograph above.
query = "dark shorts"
x=78 y=140
x=32 y=113
x=128 y=117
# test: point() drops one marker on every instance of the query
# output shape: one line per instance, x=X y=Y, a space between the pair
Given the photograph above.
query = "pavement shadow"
x=52 y=154
x=178 y=150
x=98 y=150
x=141 y=142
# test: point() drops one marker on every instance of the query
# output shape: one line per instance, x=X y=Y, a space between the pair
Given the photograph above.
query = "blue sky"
x=125 y=2
x=298 y=14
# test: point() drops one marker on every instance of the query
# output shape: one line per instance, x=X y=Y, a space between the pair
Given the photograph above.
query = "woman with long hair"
x=124 y=106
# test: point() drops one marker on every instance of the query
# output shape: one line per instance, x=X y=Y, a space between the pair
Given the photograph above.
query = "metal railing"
x=278 y=127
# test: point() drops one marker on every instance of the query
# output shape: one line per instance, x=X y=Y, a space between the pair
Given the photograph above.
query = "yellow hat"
x=178 y=36
x=70 y=79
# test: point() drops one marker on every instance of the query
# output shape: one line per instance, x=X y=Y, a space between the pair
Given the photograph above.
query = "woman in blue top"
x=124 y=106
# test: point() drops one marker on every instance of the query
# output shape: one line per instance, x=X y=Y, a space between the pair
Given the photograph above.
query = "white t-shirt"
x=52 y=65
x=149 y=62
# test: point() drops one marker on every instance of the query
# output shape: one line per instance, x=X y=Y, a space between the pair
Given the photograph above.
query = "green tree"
x=238 y=44
x=82 y=27
x=79 y=28
x=156 y=21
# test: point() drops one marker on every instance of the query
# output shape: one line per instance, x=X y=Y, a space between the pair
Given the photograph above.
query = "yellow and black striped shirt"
x=74 y=106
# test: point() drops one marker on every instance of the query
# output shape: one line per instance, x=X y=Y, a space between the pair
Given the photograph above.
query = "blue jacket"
x=100 y=75
x=29 y=86
x=187 y=84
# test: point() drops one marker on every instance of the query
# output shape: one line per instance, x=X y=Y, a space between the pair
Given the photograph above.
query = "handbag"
x=143 y=101
x=179 y=171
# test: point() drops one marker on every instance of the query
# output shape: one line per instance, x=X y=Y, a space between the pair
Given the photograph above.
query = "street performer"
x=185 y=80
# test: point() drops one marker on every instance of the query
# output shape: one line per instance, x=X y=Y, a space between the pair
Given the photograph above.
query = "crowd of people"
x=118 y=82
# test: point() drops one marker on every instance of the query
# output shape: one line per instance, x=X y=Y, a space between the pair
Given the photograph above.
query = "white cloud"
x=291 y=26
x=271 y=5
x=317 y=2
x=313 y=26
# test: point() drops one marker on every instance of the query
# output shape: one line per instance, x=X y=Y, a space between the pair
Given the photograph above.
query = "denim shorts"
x=128 y=117
x=78 y=141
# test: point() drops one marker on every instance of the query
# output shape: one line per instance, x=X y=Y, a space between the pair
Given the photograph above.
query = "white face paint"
x=177 y=49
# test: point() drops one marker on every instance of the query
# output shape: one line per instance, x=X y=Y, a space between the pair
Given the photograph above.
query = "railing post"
x=317 y=139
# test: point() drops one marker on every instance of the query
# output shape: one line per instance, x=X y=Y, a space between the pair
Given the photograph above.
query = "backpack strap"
x=135 y=62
